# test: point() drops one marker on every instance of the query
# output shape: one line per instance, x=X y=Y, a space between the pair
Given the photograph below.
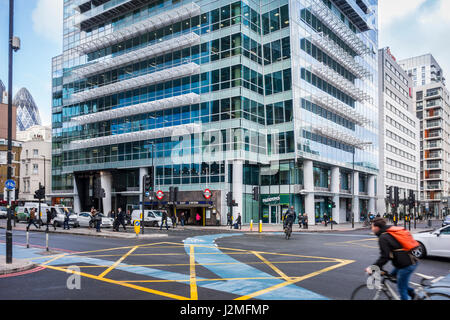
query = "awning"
x=167 y=103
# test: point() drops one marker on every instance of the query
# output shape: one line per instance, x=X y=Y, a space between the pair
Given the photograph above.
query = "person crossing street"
x=32 y=219
x=164 y=219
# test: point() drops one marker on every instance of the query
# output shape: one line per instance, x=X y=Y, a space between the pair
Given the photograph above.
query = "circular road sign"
x=10 y=184
x=159 y=194
x=207 y=193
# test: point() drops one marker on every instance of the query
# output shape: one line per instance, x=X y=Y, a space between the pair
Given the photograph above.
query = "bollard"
x=251 y=225
x=46 y=240
x=260 y=226
x=331 y=222
x=28 y=238
x=429 y=222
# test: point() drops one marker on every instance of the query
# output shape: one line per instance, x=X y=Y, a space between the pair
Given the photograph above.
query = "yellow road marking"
x=104 y=273
x=129 y=285
x=278 y=271
x=55 y=258
x=192 y=277
x=294 y=280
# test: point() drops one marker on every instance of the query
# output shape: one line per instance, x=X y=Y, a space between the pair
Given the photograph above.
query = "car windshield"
x=158 y=213
x=3 y=209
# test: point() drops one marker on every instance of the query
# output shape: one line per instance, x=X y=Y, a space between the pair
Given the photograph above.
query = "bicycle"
x=288 y=231
x=386 y=291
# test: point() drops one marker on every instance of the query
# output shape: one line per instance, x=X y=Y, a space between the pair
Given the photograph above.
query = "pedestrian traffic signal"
x=396 y=196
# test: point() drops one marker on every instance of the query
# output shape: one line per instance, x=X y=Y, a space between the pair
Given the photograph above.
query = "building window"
x=26 y=169
x=35 y=169
x=35 y=152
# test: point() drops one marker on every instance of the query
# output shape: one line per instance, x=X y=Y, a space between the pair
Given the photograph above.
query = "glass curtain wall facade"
x=224 y=95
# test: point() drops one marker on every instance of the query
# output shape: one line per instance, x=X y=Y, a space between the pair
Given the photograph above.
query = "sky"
x=408 y=27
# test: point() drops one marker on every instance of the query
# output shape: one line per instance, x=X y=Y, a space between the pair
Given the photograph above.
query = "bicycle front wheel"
x=364 y=293
x=438 y=296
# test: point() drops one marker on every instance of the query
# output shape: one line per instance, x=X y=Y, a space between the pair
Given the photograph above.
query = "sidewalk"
x=18 y=265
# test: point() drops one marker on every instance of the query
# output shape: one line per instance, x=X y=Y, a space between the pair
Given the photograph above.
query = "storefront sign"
x=272 y=200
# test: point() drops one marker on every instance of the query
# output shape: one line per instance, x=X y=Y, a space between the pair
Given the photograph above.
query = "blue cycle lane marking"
x=241 y=270
x=236 y=270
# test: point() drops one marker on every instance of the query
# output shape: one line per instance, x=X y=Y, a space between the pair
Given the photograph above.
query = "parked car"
x=85 y=220
x=58 y=221
x=434 y=243
x=23 y=212
x=152 y=218
x=446 y=221
x=3 y=212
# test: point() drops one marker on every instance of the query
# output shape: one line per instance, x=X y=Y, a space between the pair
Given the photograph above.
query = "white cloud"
x=48 y=20
x=392 y=10
x=439 y=14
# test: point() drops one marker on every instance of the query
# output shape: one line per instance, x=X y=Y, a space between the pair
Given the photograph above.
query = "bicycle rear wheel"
x=364 y=293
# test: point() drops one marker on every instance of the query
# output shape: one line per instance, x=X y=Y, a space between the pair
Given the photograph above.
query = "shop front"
x=274 y=207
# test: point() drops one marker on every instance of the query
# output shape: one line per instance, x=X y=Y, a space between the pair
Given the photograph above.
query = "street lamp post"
x=45 y=173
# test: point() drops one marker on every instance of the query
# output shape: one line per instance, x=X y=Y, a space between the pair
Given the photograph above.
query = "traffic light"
x=396 y=196
x=389 y=194
x=333 y=204
x=328 y=203
x=411 y=199
x=256 y=193
x=40 y=193
x=230 y=199
x=148 y=184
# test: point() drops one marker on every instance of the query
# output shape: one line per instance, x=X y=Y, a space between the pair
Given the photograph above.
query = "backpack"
x=32 y=215
x=403 y=237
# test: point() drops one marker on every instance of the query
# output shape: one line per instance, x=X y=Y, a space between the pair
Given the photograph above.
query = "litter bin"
x=429 y=223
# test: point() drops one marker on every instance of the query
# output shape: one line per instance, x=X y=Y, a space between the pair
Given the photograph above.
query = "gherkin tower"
x=27 y=111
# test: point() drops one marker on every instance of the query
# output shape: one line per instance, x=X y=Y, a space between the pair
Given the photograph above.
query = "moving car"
x=433 y=243
x=152 y=218
x=446 y=221
x=84 y=220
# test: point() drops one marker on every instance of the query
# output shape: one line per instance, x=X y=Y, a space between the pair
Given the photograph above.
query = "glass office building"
x=218 y=95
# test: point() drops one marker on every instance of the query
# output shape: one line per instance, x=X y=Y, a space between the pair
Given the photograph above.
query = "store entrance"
x=276 y=213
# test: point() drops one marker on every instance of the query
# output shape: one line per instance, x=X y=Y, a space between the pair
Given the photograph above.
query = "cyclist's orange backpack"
x=403 y=237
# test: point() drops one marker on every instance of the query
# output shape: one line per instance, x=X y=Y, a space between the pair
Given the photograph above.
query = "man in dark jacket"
x=121 y=216
x=164 y=218
x=390 y=249
x=49 y=218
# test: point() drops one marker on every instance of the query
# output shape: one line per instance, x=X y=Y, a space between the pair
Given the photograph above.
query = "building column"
x=371 y=192
x=238 y=187
x=142 y=172
x=106 y=183
x=308 y=183
x=335 y=189
x=76 y=197
x=355 y=199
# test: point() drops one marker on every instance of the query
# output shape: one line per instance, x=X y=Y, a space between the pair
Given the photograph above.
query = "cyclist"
x=390 y=249
x=289 y=217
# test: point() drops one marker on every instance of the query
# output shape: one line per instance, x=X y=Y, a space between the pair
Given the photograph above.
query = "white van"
x=22 y=214
x=152 y=218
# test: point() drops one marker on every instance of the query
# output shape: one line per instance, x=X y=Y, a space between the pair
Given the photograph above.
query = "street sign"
x=137 y=227
x=147 y=194
x=10 y=184
x=207 y=193
x=159 y=194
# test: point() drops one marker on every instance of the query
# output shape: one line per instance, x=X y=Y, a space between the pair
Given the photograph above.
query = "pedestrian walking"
x=238 y=224
x=305 y=221
x=121 y=219
x=49 y=218
x=164 y=219
x=91 y=221
x=198 y=218
x=217 y=218
x=182 y=217
x=325 y=219
x=32 y=219
x=300 y=220
x=66 y=220
x=98 y=221
x=229 y=220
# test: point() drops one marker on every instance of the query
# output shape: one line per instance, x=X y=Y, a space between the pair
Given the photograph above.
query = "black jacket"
x=390 y=249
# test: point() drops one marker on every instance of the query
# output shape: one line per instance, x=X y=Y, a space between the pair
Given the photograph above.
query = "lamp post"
x=14 y=45
x=45 y=173
x=359 y=146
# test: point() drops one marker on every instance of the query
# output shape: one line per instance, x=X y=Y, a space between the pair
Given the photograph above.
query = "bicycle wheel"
x=364 y=293
x=438 y=296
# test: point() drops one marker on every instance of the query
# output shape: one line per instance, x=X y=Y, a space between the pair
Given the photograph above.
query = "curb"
x=26 y=267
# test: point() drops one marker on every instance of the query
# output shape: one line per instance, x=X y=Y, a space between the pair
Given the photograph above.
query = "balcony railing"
x=340 y=82
x=155 y=22
x=339 y=27
x=137 y=82
x=177 y=43
x=340 y=55
x=338 y=136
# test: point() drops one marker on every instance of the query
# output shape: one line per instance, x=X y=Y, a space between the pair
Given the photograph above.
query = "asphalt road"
x=227 y=266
